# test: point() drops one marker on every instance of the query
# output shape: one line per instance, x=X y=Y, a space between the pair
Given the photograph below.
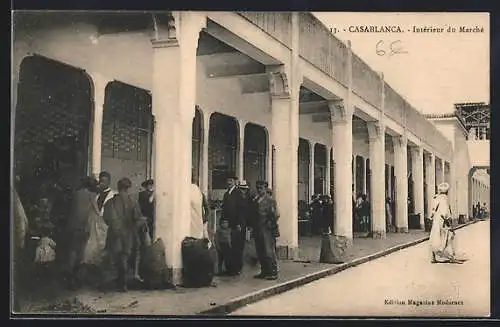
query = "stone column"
x=174 y=96
x=443 y=174
x=327 y=173
x=241 y=150
x=401 y=172
x=418 y=182
x=284 y=109
x=341 y=117
x=99 y=89
x=284 y=85
x=204 y=152
x=431 y=181
x=311 y=168
x=376 y=133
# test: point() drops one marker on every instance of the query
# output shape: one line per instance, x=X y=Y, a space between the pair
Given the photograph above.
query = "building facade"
x=196 y=96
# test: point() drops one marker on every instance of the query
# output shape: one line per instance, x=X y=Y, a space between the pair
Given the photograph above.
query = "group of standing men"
x=243 y=208
x=110 y=226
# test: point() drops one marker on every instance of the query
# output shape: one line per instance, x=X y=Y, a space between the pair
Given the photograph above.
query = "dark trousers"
x=77 y=243
x=151 y=228
x=265 y=246
x=237 y=247
x=224 y=257
x=122 y=264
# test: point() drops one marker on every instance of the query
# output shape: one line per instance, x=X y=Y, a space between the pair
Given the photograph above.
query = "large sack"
x=333 y=249
x=198 y=262
x=153 y=267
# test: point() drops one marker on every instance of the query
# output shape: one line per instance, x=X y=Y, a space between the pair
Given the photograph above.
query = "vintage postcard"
x=181 y=163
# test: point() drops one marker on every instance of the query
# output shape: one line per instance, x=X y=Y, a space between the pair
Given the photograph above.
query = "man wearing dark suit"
x=147 y=205
x=231 y=211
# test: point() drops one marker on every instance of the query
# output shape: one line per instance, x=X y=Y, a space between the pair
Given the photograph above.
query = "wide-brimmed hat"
x=147 y=182
x=244 y=184
x=443 y=187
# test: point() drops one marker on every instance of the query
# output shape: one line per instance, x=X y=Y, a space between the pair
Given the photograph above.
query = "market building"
x=196 y=96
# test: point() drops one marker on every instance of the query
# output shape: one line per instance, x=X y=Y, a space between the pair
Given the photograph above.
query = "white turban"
x=443 y=187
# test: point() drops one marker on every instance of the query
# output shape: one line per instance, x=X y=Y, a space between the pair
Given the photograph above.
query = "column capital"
x=375 y=129
x=278 y=83
x=175 y=27
x=400 y=140
x=340 y=112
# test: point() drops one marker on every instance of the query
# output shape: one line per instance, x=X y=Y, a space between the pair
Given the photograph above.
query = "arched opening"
x=303 y=178
x=393 y=195
x=223 y=150
x=127 y=133
x=52 y=133
x=425 y=172
x=387 y=179
x=255 y=149
x=196 y=146
x=319 y=169
x=360 y=168
x=368 y=179
x=411 y=184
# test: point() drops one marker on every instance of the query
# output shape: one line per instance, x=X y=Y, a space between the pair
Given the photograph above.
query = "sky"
x=437 y=69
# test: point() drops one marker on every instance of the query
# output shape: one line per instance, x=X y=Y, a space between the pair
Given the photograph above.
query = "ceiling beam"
x=313 y=107
x=239 y=44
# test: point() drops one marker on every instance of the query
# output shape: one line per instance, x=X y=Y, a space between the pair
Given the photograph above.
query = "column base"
x=174 y=276
x=284 y=252
x=402 y=229
x=379 y=234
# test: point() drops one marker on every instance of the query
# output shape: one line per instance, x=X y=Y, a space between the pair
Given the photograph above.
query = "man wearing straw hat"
x=442 y=235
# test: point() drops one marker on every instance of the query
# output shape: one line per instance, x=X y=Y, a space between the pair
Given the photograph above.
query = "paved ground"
x=191 y=301
x=368 y=289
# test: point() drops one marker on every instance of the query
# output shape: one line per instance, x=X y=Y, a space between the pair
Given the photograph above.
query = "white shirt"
x=231 y=189
x=196 y=229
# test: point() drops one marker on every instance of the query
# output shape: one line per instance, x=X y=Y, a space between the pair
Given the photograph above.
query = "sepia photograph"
x=250 y=164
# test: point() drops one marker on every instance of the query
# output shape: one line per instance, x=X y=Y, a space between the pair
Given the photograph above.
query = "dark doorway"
x=222 y=149
x=303 y=178
x=319 y=168
x=52 y=131
x=255 y=158
x=196 y=147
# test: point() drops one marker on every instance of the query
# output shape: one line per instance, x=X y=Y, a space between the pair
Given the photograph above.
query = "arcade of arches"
x=234 y=148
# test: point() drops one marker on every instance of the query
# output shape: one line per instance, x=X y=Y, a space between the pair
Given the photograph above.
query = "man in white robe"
x=199 y=213
x=442 y=235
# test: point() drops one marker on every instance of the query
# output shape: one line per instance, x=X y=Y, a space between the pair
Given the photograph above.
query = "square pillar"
x=418 y=182
x=204 y=152
x=270 y=162
x=401 y=172
x=241 y=150
x=431 y=181
x=341 y=118
x=99 y=89
x=285 y=109
x=327 y=173
x=174 y=95
x=376 y=133
x=311 y=168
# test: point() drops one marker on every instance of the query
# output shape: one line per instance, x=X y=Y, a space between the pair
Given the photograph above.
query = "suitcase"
x=153 y=267
x=198 y=262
